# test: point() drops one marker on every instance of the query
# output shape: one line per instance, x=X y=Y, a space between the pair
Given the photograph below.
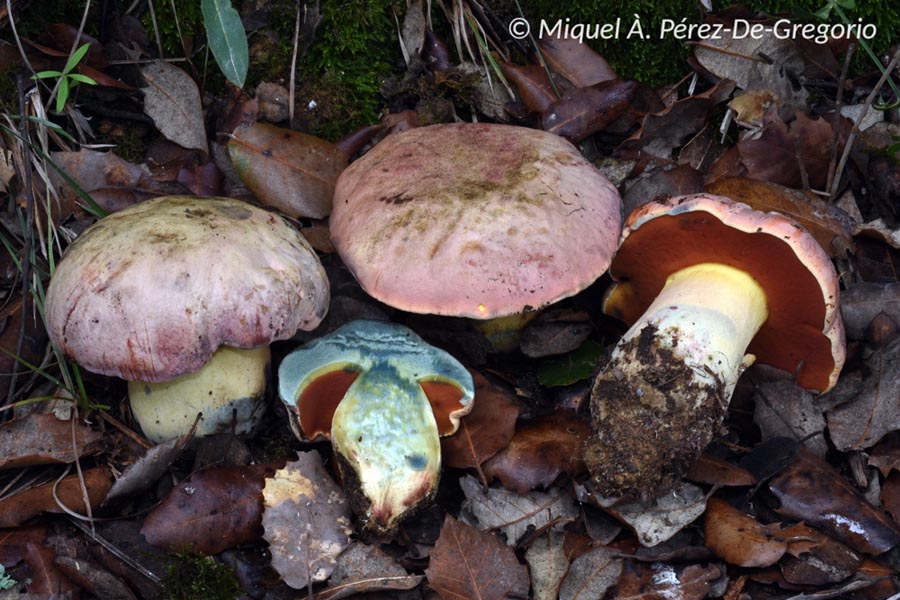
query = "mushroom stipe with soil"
x=707 y=286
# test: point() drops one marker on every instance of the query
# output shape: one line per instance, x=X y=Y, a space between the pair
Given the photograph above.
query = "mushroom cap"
x=150 y=292
x=474 y=220
x=313 y=379
x=803 y=333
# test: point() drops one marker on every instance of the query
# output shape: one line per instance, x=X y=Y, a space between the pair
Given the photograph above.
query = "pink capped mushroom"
x=181 y=296
x=708 y=286
x=474 y=220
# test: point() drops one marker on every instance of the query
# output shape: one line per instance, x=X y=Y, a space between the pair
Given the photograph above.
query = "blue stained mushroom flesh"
x=392 y=396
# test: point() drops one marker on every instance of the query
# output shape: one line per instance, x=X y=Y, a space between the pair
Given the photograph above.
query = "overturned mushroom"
x=474 y=220
x=708 y=286
x=160 y=291
x=384 y=397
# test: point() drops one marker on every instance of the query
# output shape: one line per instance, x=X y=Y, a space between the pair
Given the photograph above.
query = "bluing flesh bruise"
x=149 y=293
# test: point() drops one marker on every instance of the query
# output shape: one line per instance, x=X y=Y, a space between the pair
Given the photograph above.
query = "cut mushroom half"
x=708 y=286
x=384 y=397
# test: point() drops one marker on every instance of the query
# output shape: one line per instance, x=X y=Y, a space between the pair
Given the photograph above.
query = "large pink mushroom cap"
x=474 y=220
x=150 y=292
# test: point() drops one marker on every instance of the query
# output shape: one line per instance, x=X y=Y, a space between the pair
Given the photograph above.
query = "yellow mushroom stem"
x=229 y=390
x=663 y=395
x=707 y=314
x=504 y=333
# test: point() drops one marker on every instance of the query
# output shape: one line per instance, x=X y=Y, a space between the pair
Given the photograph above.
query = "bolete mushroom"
x=707 y=286
x=384 y=397
x=474 y=220
x=181 y=296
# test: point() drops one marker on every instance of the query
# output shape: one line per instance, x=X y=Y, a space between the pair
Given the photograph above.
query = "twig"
x=852 y=137
x=29 y=228
x=293 y=84
x=125 y=558
x=836 y=124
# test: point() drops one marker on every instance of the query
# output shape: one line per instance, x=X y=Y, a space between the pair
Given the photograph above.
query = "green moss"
x=355 y=48
x=190 y=575
x=186 y=16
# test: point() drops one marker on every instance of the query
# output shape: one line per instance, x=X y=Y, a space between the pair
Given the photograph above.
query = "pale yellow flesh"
x=708 y=314
x=229 y=390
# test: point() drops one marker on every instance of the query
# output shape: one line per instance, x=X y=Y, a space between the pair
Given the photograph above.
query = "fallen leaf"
x=93 y=578
x=516 y=514
x=782 y=153
x=575 y=60
x=558 y=371
x=18 y=508
x=13 y=542
x=862 y=302
x=886 y=454
x=711 y=470
x=821 y=561
x=657 y=520
x=809 y=489
x=172 y=100
x=754 y=62
x=46 y=578
x=784 y=409
x=864 y=420
x=467 y=563
x=661 y=581
x=555 y=331
x=533 y=85
x=829 y=225
x=34 y=343
x=541 y=450
x=483 y=432
x=140 y=475
x=666 y=180
x=591 y=575
x=661 y=132
x=306 y=520
x=202 y=180
x=741 y=540
x=210 y=511
x=288 y=170
x=547 y=563
x=44 y=439
x=587 y=110
x=890 y=495
x=364 y=568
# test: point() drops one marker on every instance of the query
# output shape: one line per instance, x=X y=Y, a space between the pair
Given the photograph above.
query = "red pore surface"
x=150 y=292
x=474 y=220
x=803 y=334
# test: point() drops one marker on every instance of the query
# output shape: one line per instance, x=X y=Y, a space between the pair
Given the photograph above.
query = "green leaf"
x=570 y=368
x=227 y=39
x=47 y=74
x=62 y=94
x=76 y=57
x=81 y=78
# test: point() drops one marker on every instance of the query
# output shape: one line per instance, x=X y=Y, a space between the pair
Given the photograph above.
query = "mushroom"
x=181 y=296
x=474 y=220
x=707 y=286
x=384 y=397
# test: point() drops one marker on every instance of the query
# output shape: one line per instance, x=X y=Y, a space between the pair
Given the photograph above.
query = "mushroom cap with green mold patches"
x=474 y=220
x=384 y=397
x=149 y=293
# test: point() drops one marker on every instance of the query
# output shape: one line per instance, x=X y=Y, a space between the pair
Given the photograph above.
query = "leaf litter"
x=512 y=477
